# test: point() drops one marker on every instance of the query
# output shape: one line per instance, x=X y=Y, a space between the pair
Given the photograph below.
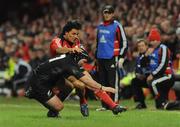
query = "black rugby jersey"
x=56 y=68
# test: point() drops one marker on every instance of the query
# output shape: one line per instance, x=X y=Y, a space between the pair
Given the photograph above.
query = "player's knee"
x=59 y=107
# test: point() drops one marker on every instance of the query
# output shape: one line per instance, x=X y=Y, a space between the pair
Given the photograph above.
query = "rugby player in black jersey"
x=43 y=78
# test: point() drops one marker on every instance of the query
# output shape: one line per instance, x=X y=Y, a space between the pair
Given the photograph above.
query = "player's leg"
x=83 y=101
x=104 y=97
x=43 y=94
x=65 y=88
x=46 y=98
x=100 y=92
x=80 y=89
x=93 y=85
x=53 y=104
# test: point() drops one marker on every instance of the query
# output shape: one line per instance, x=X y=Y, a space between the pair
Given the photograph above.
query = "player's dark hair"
x=73 y=24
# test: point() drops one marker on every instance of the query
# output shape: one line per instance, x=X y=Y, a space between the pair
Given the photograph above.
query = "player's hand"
x=120 y=62
x=149 y=78
x=76 y=50
x=81 y=62
x=109 y=89
x=149 y=51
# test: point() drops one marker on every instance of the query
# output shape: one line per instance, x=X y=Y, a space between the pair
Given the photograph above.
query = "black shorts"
x=37 y=90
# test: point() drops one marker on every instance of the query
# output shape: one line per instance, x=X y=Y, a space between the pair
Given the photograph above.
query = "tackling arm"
x=91 y=84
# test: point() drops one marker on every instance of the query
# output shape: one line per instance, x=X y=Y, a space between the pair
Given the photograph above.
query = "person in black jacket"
x=142 y=71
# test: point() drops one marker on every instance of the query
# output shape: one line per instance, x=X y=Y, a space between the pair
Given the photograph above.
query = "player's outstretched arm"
x=109 y=89
x=91 y=84
x=75 y=82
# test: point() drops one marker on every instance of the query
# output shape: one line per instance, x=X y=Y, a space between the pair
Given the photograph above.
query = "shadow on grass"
x=74 y=118
x=39 y=116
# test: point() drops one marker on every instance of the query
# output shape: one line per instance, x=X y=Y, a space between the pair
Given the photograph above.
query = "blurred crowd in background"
x=27 y=32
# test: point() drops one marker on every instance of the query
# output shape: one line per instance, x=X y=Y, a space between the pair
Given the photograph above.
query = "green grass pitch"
x=21 y=112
